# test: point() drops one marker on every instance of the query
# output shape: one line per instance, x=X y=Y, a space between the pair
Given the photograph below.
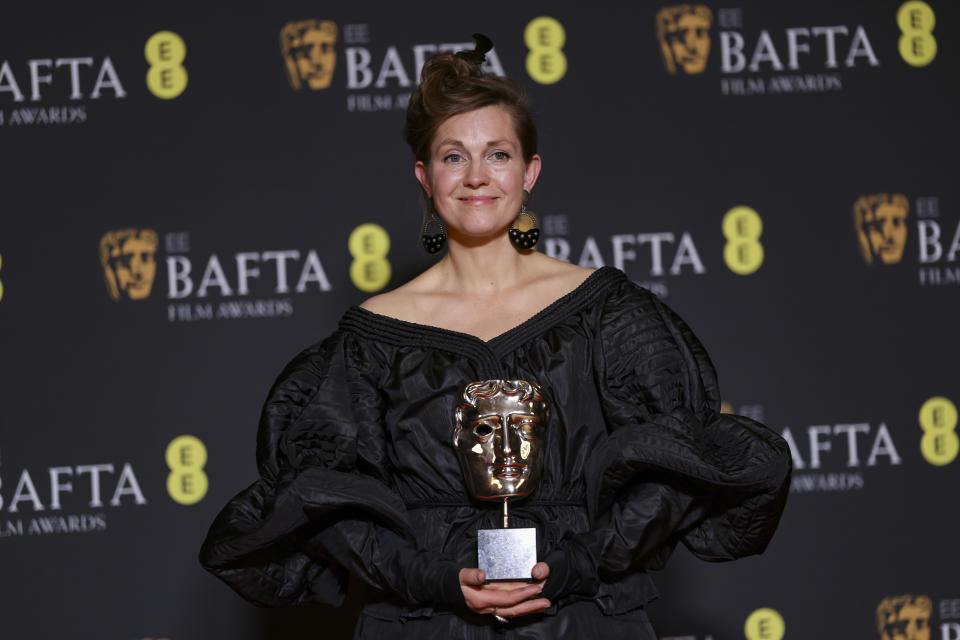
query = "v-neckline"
x=405 y=329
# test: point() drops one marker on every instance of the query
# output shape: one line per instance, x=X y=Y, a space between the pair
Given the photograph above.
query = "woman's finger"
x=507 y=586
x=472 y=577
x=525 y=608
x=487 y=598
x=540 y=571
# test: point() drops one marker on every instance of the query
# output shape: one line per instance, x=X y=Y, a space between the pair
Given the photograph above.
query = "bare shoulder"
x=403 y=301
x=384 y=303
x=559 y=276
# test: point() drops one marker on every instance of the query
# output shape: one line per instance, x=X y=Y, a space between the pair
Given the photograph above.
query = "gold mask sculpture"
x=500 y=437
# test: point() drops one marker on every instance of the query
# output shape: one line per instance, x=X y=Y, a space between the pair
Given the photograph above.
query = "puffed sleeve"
x=672 y=467
x=323 y=506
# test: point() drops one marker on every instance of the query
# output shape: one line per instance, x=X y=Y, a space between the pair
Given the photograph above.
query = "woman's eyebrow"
x=451 y=142
x=459 y=143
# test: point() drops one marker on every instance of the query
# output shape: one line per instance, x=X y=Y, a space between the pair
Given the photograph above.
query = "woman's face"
x=476 y=174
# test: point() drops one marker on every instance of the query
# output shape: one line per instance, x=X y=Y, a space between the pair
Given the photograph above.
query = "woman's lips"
x=477 y=201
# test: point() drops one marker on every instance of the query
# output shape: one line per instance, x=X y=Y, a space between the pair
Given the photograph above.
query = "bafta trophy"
x=500 y=438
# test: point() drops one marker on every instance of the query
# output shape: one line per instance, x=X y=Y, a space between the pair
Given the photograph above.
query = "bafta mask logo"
x=904 y=618
x=129 y=262
x=500 y=437
x=881 y=223
x=684 y=34
x=309 y=53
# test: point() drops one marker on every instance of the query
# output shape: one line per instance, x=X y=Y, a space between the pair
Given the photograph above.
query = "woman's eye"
x=500 y=155
x=453 y=158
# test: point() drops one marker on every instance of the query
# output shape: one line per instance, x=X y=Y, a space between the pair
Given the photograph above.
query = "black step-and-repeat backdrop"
x=190 y=195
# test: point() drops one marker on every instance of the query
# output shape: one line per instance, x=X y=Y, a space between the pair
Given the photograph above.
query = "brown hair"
x=450 y=85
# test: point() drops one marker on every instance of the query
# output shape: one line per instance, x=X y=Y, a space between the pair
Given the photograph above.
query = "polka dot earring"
x=525 y=230
x=432 y=242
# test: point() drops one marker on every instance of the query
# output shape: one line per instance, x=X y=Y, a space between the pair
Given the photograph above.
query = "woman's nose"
x=476 y=175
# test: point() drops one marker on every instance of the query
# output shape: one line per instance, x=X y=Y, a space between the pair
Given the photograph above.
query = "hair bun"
x=482 y=45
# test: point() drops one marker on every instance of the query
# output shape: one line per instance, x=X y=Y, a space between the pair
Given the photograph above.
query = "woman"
x=357 y=471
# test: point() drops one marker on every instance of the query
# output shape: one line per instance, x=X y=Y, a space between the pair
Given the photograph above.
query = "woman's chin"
x=478 y=232
x=479 y=239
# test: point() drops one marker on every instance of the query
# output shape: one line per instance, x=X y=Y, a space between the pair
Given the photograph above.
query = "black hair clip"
x=477 y=57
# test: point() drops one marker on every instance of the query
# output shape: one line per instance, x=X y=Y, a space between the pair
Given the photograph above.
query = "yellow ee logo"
x=743 y=252
x=545 y=37
x=917 y=44
x=369 y=244
x=165 y=51
x=764 y=624
x=187 y=483
x=938 y=419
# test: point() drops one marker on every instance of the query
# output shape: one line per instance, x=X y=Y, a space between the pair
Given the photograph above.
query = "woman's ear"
x=531 y=172
x=423 y=177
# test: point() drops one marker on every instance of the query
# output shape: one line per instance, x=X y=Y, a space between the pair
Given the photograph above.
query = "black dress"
x=358 y=473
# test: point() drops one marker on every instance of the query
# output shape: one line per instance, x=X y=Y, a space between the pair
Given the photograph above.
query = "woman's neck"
x=483 y=270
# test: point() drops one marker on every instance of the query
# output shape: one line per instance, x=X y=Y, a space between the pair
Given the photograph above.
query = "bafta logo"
x=881 y=223
x=684 y=34
x=904 y=618
x=129 y=264
x=309 y=53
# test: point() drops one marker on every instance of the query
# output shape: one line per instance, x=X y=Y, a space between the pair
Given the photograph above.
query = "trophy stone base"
x=507 y=554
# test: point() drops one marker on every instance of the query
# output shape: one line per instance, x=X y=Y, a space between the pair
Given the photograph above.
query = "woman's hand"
x=504 y=599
